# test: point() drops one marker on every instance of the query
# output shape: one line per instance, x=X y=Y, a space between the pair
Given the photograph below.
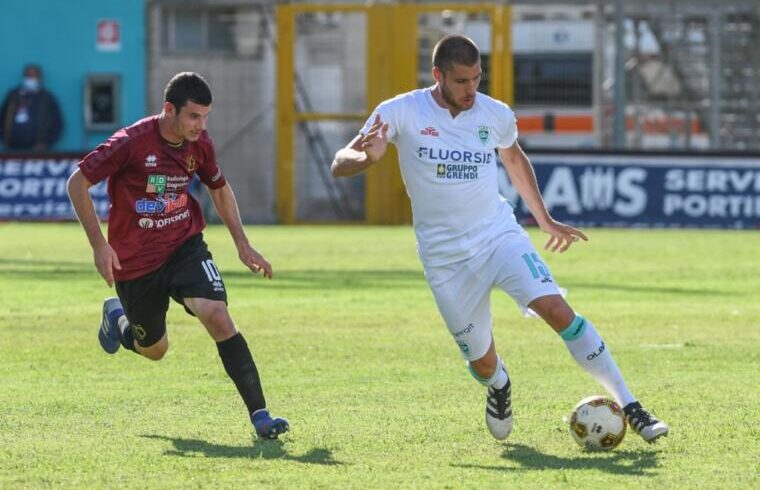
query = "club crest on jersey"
x=484 y=132
x=190 y=162
x=151 y=160
x=429 y=131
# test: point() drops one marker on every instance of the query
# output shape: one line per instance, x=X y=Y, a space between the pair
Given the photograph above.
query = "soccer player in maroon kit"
x=155 y=248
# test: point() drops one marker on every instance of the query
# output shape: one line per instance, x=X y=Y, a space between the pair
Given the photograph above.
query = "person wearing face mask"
x=30 y=118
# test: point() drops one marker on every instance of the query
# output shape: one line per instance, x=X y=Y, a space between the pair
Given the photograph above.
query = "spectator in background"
x=30 y=118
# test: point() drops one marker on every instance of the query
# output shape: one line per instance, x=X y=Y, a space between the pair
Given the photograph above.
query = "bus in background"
x=553 y=83
x=564 y=82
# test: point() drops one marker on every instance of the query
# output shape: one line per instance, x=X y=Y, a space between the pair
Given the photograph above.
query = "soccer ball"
x=597 y=424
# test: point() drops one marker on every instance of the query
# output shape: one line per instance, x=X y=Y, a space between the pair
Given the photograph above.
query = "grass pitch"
x=353 y=353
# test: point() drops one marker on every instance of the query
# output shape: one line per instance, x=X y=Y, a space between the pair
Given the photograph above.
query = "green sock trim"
x=490 y=379
x=575 y=329
x=478 y=378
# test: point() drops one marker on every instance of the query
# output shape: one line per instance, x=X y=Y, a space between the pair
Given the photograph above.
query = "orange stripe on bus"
x=530 y=124
x=584 y=123
x=571 y=123
x=575 y=124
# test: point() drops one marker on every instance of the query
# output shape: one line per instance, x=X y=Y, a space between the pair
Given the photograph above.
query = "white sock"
x=123 y=323
x=498 y=379
x=589 y=350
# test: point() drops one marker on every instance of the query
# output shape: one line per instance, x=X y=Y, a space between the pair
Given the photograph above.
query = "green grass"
x=352 y=351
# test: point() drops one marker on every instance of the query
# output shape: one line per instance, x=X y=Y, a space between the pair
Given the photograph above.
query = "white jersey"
x=449 y=170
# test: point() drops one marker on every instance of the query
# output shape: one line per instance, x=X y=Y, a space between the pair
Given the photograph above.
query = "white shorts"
x=463 y=290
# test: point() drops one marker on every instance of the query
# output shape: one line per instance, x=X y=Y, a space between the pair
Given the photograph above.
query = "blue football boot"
x=108 y=333
x=267 y=427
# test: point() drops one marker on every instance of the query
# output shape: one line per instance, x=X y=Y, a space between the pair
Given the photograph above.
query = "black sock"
x=128 y=339
x=239 y=365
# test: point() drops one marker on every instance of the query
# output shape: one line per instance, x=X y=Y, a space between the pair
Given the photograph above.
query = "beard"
x=449 y=98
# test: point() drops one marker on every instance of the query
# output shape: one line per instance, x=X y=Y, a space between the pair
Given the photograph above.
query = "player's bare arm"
x=104 y=256
x=362 y=152
x=227 y=208
x=522 y=176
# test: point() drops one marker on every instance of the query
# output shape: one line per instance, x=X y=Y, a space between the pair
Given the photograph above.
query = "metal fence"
x=691 y=70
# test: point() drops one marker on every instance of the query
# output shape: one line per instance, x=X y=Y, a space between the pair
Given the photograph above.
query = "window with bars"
x=233 y=30
x=553 y=78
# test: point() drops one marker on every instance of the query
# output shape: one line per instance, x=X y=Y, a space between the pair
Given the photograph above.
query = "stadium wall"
x=62 y=37
x=242 y=120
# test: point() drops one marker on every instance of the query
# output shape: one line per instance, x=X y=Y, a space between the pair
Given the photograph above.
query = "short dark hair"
x=32 y=67
x=187 y=86
x=455 y=48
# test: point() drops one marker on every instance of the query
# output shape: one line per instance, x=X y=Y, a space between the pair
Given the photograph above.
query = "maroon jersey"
x=152 y=213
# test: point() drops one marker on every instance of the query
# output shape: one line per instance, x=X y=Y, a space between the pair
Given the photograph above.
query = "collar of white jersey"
x=444 y=110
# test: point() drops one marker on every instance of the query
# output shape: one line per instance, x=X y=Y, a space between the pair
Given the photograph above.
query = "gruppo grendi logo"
x=455 y=164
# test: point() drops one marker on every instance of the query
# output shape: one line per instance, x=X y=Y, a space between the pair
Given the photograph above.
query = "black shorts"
x=189 y=273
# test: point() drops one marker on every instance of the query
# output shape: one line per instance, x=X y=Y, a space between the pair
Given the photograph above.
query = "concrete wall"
x=242 y=118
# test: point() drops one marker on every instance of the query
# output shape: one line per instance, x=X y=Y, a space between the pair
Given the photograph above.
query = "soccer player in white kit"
x=467 y=236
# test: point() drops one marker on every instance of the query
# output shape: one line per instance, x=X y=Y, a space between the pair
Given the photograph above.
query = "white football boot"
x=499 y=411
x=649 y=427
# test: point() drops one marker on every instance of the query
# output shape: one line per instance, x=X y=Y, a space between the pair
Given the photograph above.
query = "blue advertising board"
x=34 y=188
x=581 y=189
x=703 y=191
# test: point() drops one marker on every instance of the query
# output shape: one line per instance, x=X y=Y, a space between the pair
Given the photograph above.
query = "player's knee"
x=156 y=352
x=555 y=311
x=562 y=316
x=484 y=367
x=219 y=323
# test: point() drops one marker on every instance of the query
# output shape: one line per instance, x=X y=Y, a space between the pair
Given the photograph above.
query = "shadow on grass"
x=317 y=279
x=260 y=449
x=636 y=463
x=45 y=269
x=321 y=279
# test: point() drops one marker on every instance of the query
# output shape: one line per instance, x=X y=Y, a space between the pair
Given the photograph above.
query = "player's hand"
x=106 y=261
x=254 y=261
x=562 y=236
x=375 y=141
